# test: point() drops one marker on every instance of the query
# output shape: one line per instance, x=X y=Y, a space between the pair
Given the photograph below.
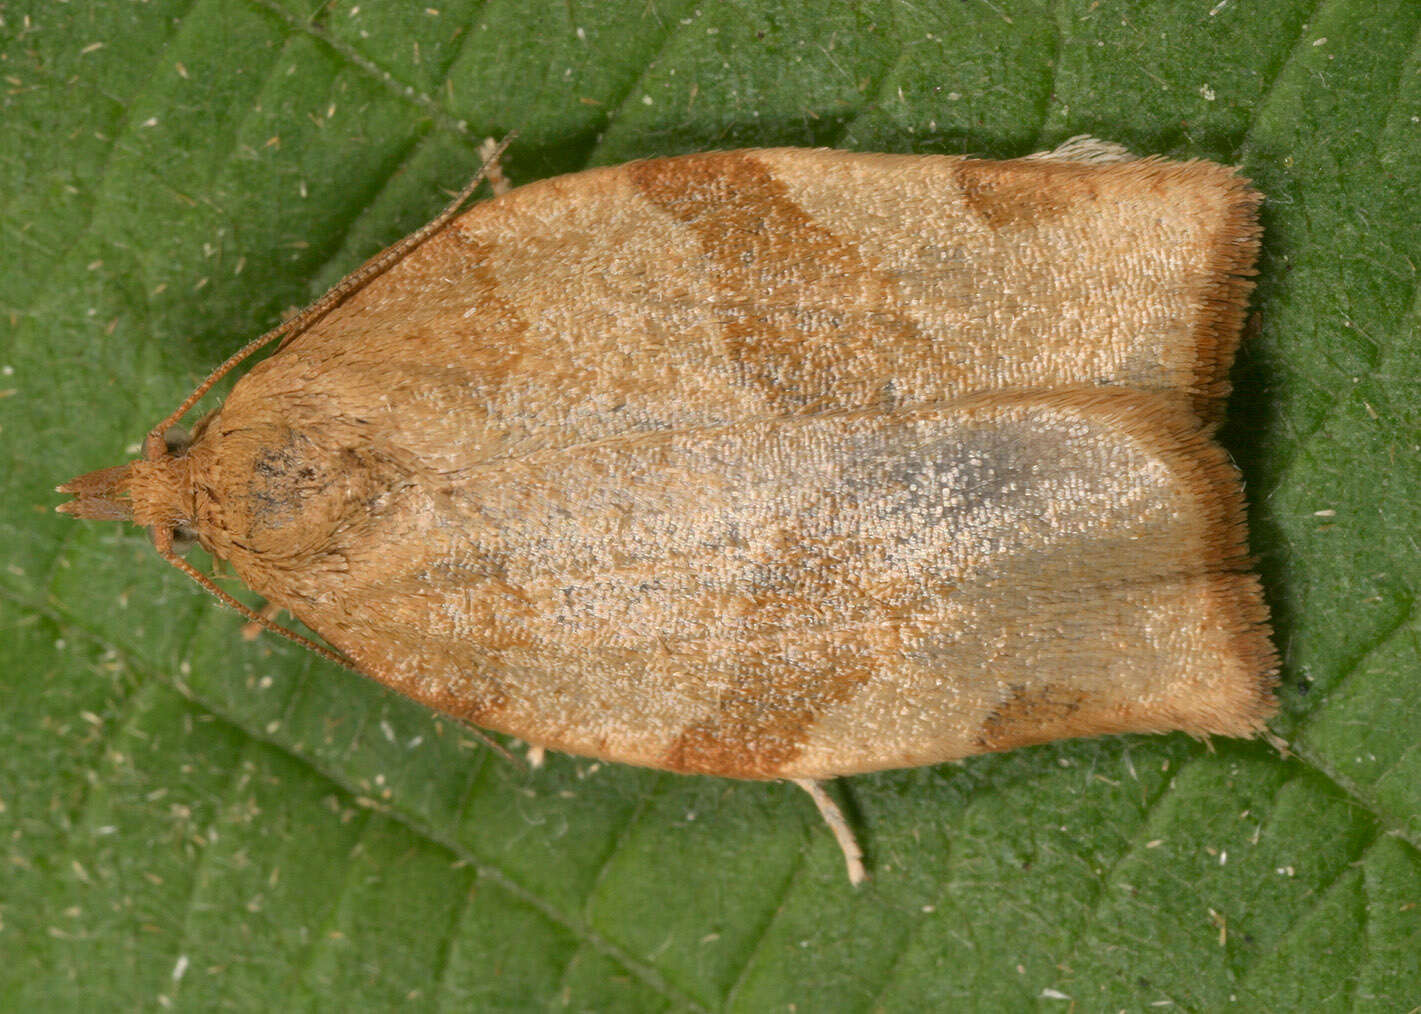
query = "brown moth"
x=764 y=464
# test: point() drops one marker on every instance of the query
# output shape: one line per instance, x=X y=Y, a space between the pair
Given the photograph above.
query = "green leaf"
x=194 y=818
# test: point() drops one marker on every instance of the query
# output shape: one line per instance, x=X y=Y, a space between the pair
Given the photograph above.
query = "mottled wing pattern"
x=825 y=594
x=778 y=463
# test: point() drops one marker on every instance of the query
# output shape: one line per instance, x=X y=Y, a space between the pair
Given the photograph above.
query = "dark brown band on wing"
x=795 y=295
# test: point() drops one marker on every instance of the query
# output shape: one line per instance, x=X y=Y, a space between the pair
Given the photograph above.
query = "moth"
x=767 y=464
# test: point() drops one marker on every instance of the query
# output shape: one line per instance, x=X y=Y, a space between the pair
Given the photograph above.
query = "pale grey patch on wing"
x=963 y=488
x=1017 y=514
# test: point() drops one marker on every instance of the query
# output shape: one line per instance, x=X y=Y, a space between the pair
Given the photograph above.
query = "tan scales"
x=766 y=464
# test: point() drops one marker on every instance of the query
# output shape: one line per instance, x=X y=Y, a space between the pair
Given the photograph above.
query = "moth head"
x=154 y=491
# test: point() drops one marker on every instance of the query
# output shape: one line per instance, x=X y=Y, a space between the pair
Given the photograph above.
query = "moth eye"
x=177 y=440
x=184 y=538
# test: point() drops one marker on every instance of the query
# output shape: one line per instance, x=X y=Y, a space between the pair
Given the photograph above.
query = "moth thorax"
x=161 y=492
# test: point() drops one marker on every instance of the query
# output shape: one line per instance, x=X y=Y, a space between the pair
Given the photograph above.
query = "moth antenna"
x=154 y=446
x=166 y=552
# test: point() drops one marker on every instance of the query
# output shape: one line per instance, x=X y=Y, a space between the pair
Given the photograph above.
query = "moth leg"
x=1086 y=149
x=843 y=834
x=535 y=756
x=493 y=168
x=493 y=744
x=1277 y=742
